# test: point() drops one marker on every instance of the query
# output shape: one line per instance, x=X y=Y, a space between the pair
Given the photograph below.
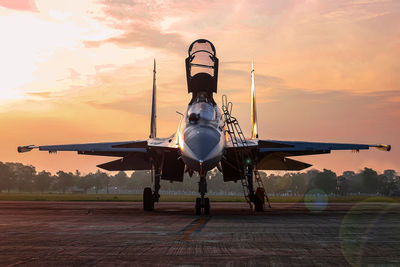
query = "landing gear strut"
x=202 y=202
x=157 y=177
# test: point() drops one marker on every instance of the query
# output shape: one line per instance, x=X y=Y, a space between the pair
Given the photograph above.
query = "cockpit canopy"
x=201 y=111
x=202 y=67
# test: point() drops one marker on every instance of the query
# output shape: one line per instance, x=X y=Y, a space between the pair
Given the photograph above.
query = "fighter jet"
x=207 y=137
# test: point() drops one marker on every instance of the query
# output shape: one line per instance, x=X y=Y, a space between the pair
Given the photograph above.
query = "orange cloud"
x=395 y=99
x=39 y=94
x=23 y=5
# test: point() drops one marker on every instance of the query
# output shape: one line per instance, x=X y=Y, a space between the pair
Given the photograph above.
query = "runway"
x=121 y=234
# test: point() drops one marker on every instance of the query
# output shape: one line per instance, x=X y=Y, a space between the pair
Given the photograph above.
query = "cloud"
x=129 y=103
x=395 y=99
x=143 y=24
x=21 y=5
x=144 y=36
x=165 y=25
x=39 y=94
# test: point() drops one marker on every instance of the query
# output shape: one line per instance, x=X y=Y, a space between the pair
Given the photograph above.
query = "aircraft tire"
x=258 y=206
x=198 y=206
x=207 y=206
x=148 y=202
x=259 y=200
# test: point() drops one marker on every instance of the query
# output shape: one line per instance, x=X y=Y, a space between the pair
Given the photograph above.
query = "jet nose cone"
x=202 y=141
x=203 y=148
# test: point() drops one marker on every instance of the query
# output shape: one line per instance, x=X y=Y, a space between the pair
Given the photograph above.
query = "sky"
x=81 y=71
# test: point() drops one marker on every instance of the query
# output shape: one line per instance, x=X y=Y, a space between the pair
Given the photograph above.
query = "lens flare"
x=368 y=224
x=316 y=200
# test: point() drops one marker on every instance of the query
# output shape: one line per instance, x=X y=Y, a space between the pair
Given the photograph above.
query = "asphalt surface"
x=121 y=234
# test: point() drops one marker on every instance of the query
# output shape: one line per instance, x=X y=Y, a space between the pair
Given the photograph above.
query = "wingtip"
x=383 y=147
x=23 y=149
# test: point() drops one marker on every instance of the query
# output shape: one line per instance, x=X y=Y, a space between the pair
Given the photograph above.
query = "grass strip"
x=176 y=198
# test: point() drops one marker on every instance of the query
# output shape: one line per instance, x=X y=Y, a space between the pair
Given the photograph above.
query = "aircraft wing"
x=272 y=154
x=296 y=148
x=134 y=155
x=116 y=149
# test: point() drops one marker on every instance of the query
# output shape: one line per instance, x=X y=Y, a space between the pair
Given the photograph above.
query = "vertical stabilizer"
x=254 y=126
x=153 y=124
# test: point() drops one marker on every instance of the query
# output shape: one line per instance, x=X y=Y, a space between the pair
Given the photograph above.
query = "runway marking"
x=197 y=226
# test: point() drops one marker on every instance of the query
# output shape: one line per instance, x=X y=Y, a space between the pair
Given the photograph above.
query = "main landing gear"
x=202 y=203
x=149 y=197
x=148 y=202
x=257 y=197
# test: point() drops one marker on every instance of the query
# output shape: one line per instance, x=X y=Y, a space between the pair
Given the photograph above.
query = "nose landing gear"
x=205 y=205
x=202 y=202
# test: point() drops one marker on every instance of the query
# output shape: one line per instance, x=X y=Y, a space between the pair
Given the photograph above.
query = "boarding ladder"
x=238 y=140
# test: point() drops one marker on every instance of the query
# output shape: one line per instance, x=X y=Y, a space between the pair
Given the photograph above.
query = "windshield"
x=201 y=110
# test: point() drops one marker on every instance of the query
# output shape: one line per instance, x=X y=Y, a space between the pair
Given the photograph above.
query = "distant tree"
x=348 y=174
x=326 y=181
x=390 y=174
x=106 y=180
x=299 y=183
x=312 y=173
x=99 y=180
x=342 y=185
x=6 y=177
x=141 y=179
x=133 y=182
x=270 y=183
x=278 y=184
x=85 y=182
x=119 y=180
x=65 y=181
x=354 y=181
x=42 y=181
x=23 y=176
x=370 y=181
x=387 y=183
x=77 y=175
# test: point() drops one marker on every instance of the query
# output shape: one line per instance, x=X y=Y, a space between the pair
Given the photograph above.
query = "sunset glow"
x=81 y=71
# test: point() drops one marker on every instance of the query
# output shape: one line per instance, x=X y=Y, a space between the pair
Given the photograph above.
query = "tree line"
x=17 y=177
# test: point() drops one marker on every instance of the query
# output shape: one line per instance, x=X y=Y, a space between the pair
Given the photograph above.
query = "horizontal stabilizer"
x=127 y=164
x=278 y=163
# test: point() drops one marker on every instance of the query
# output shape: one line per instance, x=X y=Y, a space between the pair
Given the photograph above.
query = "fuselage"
x=202 y=136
